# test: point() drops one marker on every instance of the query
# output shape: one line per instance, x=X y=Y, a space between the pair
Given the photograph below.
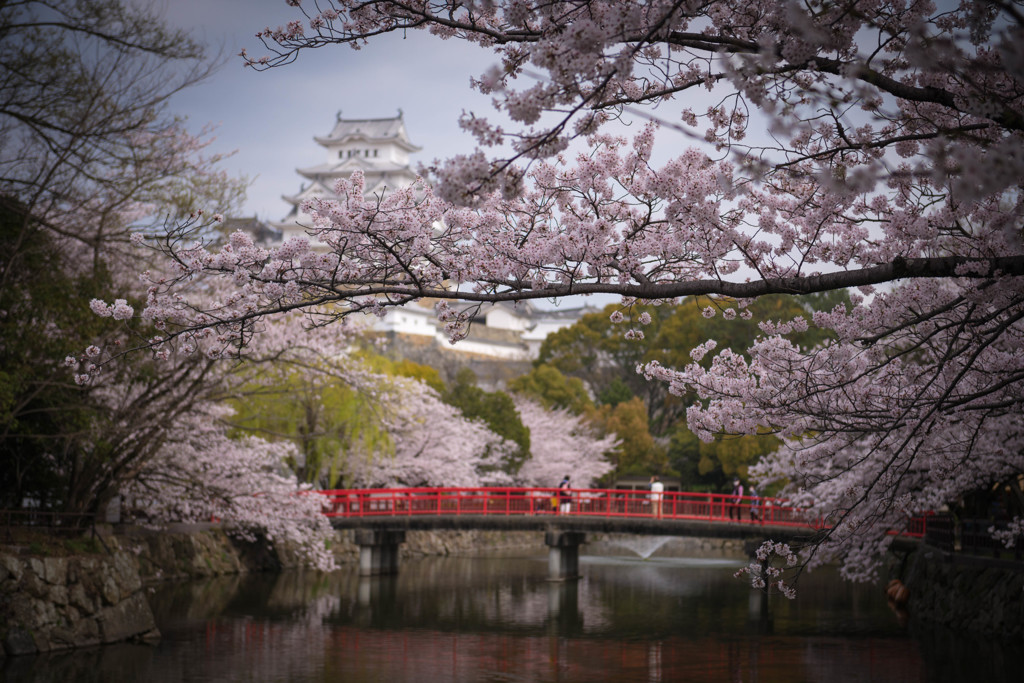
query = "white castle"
x=380 y=148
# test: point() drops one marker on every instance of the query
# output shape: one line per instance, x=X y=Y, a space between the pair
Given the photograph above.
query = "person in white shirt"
x=657 y=490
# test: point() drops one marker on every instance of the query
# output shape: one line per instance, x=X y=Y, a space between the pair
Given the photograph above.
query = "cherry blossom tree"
x=431 y=444
x=199 y=474
x=89 y=155
x=815 y=146
x=560 y=443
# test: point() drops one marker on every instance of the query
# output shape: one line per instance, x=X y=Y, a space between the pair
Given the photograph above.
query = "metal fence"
x=48 y=521
x=971 y=537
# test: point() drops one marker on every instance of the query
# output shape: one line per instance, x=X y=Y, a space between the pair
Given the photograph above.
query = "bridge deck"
x=589 y=524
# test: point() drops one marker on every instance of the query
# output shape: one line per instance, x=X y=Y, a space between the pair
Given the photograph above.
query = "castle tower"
x=380 y=148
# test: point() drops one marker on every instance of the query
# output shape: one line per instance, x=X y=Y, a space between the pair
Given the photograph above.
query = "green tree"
x=684 y=458
x=403 y=367
x=615 y=393
x=326 y=417
x=552 y=389
x=46 y=317
x=638 y=452
x=497 y=410
x=711 y=466
x=596 y=350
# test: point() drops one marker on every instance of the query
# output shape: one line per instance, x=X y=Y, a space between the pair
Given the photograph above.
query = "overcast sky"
x=270 y=118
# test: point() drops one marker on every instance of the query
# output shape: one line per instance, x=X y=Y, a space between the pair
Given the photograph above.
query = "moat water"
x=497 y=619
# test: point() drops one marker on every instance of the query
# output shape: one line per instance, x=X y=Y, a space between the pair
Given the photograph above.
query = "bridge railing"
x=546 y=501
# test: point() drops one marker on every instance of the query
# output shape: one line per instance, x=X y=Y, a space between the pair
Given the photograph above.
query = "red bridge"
x=382 y=516
x=616 y=503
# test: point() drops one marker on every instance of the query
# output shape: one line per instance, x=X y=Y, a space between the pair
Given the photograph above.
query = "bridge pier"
x=563 y=554
x=378 y=550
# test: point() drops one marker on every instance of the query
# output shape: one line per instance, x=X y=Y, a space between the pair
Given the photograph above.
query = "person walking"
x=657 y=493
x=564 y=497
x=737 y=498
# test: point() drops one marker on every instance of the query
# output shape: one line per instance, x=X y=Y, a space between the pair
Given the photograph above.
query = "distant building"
x=503 y=330
x=380 y=148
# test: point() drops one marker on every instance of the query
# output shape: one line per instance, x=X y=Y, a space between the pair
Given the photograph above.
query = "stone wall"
x=194 y=551
x=450 y=542
x=56 y=601
x=52 y=603
x=974 y=595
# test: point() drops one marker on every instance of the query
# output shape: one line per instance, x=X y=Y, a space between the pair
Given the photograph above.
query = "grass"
x=44 y=543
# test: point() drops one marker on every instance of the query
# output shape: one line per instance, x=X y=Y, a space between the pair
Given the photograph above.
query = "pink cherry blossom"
x=561 y=442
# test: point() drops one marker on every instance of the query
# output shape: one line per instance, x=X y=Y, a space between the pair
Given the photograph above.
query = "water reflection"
x=499 y=619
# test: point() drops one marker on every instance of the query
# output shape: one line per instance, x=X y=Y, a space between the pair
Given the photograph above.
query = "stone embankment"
x=51 y=599
x=51 y=603
x=974 y=595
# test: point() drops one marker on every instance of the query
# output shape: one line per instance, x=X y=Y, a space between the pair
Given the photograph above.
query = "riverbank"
x=57 y=594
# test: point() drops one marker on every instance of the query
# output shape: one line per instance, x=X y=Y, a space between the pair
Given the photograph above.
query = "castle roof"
x=371 y=130
x=345 y=168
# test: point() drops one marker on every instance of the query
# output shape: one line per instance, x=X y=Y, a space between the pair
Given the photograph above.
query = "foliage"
x=402 y=368
x=496 y=410
x=637 y=452
x=325 y=417
x=595 y=350
x=546 y=385
x=615 y=393
x=45 y=318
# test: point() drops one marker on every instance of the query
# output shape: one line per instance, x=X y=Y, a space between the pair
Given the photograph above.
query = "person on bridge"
x=657 y=490
x=737 y=498
x=564 y=497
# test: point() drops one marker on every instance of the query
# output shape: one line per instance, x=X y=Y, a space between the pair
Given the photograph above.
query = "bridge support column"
x=564 y=554
x=378 y=550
